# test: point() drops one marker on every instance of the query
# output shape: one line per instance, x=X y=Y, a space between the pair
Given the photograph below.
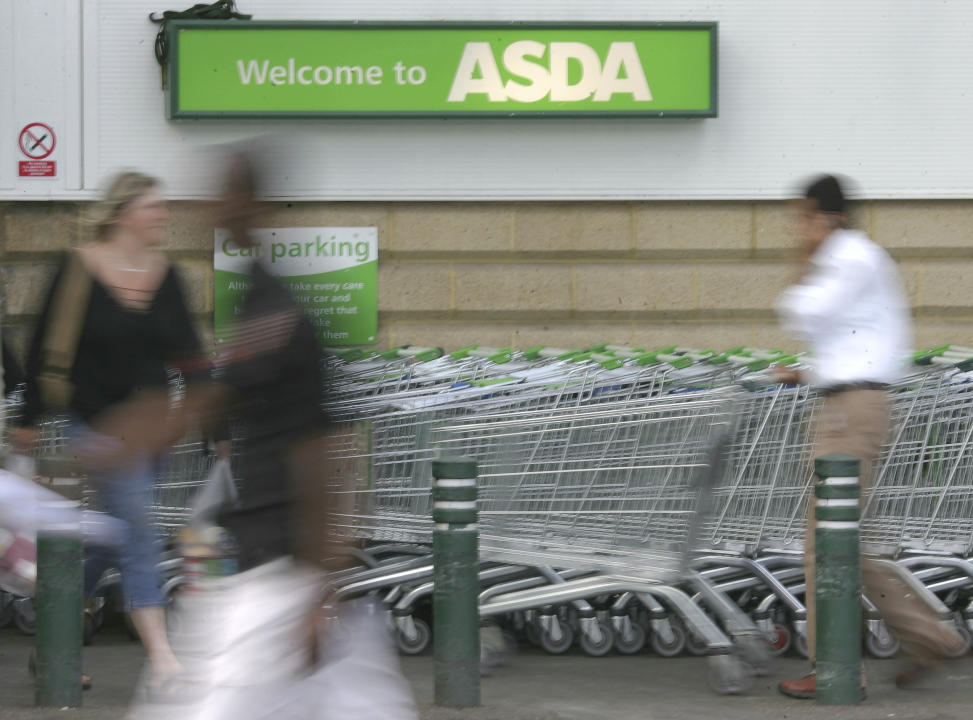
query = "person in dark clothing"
x=134 y=326
x=274 y=373
x=260 y=623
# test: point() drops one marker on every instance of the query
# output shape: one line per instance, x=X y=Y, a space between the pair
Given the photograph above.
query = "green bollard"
x=838 y=580
x=59 y=596
x=456 y=615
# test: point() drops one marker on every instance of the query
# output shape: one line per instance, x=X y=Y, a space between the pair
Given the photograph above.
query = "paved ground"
x=535 y=686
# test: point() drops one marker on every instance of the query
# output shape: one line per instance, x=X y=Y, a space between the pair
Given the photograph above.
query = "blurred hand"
x=24 y=439
x=787 y=375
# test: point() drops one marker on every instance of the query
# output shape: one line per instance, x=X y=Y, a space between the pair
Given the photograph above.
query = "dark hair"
x=827 y=191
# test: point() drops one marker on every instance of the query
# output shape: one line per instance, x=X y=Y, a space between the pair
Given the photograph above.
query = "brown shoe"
x=805 y=688
x=802 y=689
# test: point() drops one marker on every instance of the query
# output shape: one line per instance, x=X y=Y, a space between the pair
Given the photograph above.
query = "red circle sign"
x=37 y=141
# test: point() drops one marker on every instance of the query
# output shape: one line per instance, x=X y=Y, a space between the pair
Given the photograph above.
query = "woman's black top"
x=121 y=350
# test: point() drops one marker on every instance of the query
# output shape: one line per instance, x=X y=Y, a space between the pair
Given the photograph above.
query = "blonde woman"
x=136 y=325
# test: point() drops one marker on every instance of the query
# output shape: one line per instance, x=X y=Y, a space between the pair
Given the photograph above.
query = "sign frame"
x=174 y=112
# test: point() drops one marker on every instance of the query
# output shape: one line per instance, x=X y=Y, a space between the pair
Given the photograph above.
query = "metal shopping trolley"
x=617 y=488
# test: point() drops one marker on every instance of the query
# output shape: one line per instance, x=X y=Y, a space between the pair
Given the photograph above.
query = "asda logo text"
x=537 y=70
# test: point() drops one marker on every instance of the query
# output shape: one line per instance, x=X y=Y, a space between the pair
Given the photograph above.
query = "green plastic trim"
x=837 y=514
x=349 y=355
x=757 y=365
x=454 y=467
x=597 y=348
x=454 y=517
x=454 y=494
x=611 y=363
x=680 y=363
x=463 y=353
x=430 y=354
x=836 y=492
x=837 y=465
x=649 y=358
x=494 y=381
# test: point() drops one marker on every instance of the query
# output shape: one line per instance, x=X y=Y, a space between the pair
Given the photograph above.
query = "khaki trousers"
x=856 y=423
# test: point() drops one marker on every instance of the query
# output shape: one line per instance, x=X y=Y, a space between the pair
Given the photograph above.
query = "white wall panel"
x=872 y=88
x=40 y=81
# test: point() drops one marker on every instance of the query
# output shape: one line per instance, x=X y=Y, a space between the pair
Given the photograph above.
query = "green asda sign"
x=285 y=69
x=332 y=272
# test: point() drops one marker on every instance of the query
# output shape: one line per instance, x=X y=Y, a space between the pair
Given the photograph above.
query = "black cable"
x=219 y=10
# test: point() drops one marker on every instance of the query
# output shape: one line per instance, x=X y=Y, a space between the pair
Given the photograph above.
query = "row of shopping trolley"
x=627 y=498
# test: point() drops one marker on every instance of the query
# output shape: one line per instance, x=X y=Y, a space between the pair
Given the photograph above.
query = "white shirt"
x=852 y=311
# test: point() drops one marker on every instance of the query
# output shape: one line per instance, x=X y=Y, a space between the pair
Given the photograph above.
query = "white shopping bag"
x=360 y=677
x=218 y=493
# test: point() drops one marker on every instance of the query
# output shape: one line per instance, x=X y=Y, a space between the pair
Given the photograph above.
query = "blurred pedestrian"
x=114 y=321
x=849 y=306
x=253 y=639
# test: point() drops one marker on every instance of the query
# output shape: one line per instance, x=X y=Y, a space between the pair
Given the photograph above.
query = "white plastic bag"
x=218 y=493
x=244 y=644
x=360 y=677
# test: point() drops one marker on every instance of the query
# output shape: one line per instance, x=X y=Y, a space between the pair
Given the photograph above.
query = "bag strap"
x=66 y=316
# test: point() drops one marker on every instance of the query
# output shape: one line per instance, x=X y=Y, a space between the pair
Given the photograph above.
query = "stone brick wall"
x=568 y=274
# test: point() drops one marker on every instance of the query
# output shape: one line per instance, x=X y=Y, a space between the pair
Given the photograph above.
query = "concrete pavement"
x=536 y=686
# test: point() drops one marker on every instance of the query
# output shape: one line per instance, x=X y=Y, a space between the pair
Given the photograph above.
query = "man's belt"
x=848 y=387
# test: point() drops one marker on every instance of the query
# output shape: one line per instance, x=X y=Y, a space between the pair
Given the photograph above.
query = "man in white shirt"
x=850 y=308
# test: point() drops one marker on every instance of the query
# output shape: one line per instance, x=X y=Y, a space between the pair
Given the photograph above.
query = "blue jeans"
x=126 y=494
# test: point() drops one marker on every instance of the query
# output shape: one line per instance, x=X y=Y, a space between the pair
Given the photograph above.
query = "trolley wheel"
x=673 y=647
x=799 y=643
x=561 y=645
x=779 y=639
x=418 y=644
x=965 y=634
x=696 y=645
x=25 y=616
x=882 y=647
x=633 y=643
x=728 y=675
x=599 y=649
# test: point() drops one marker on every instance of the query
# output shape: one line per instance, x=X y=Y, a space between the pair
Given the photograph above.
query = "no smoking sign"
x=37 y=141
